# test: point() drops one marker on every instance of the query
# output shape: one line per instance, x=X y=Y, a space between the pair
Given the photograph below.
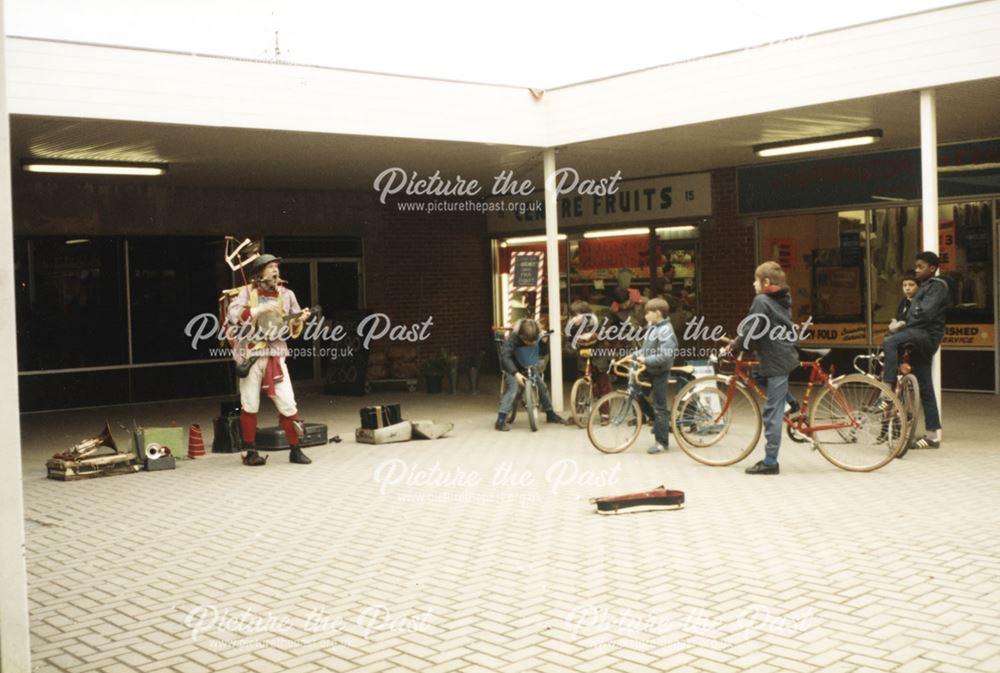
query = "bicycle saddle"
x=815 y=354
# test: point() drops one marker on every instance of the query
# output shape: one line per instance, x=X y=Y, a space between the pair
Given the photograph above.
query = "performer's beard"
x=269 y=282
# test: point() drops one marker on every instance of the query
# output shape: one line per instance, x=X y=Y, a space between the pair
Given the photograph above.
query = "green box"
x=175 y=438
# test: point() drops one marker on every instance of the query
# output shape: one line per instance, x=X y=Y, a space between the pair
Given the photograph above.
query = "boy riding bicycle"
x=924 y=330
x=520 y=348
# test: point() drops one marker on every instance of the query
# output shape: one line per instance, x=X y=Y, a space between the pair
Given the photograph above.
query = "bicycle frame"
x=817 y=377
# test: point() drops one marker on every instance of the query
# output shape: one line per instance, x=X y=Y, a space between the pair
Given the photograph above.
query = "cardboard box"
x=398 y=432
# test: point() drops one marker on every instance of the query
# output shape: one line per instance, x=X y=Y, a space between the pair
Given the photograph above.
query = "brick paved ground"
x=343 y=565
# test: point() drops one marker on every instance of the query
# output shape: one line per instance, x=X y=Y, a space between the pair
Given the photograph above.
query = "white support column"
x=929 y=192
x=15 y=646
x=552 y=274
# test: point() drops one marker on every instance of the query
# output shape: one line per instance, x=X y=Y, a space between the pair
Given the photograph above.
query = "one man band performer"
x=274 y=314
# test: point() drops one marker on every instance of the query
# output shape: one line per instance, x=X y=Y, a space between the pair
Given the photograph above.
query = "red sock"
x=289 y=427
x=248 y=427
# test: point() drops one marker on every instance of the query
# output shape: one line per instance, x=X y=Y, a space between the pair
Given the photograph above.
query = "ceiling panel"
x=248 y=158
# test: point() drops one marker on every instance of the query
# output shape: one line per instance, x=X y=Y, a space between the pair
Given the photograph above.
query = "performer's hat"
x=261 y=262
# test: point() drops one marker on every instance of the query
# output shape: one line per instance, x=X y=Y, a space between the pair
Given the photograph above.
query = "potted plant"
x=433 y=370
x=451 y=364
x=475 y=363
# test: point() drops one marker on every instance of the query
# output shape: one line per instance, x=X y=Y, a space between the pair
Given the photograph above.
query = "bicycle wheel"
x=512 y=414
x=620 y=428
x=531 y=402
x=909 y=396
x=711 y=428
x=858 y=424
x=581 y=399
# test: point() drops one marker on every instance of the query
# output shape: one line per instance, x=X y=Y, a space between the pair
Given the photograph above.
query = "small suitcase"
x=273 y=439
x=373 y=418
x=228 y=436
x=398 y=432
x=658 y=498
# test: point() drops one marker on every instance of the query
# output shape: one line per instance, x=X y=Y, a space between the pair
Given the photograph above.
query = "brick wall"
x=432 y=265
x=727 y=257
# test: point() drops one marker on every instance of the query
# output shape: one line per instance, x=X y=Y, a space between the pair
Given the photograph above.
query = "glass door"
x=298 y=274
x=333 y=284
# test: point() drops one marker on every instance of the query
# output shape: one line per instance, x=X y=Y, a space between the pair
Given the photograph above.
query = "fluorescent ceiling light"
x=77 y=241
x=92 y=168
x=607 y=233
x=817 y=144
x=887 y=198
x=968 y=167
x=521 y=240
x=679 y=229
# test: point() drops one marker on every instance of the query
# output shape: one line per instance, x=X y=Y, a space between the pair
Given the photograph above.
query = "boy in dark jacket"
x=657 y=353
x=909 y=284
x=769 y=330
x=925 y=330
x=524 y=337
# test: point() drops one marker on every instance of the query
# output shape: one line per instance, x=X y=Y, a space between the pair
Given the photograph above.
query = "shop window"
x=966 y=251
x=173 y=279
x=598 y=266
x=894 y=246
x=70 y=303
x=824 y=258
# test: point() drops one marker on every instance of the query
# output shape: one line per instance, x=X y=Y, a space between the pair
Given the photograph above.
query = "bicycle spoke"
x=858 y=424
x=711 y=429
x=620 y=428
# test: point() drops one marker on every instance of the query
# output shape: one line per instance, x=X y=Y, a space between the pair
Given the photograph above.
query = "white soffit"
x=60 y=79
x=953 y=44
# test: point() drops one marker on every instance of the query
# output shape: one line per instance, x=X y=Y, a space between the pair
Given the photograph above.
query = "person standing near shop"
x=272 y=312
x=657 y=352
x=925 y=330
x=776 y=352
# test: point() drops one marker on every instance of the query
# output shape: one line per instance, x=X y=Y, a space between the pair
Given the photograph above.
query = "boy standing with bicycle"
x=524 y=335
x=657 y=353
x=769 y=331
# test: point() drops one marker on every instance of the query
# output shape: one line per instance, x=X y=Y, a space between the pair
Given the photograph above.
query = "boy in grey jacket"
x=657 y=353
x=769 y=331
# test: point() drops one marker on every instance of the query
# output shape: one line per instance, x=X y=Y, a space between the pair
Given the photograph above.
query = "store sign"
x=946 y=246
x=526 y=270
x=673 y=197
x=969 y=336
x=853 y=334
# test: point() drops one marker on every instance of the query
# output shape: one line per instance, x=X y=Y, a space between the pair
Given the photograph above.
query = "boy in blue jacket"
x=657 y=353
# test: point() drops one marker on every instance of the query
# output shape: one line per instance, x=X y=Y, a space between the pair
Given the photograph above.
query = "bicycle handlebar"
x=871 y=358
x=618 y=367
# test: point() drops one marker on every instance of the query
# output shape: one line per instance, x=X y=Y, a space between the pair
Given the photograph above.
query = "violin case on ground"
x=646 y=501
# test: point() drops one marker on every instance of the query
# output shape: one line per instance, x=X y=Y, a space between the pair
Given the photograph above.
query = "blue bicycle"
x=616 y=418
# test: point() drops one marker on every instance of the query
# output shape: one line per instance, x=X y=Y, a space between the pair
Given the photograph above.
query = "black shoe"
x=553 y=417
x=296 y=456
x=762 y=468
x=791 y=408
x=501 y=426
x=250 y=457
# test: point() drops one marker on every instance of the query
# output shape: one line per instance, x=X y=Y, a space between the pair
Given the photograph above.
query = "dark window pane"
x=70 y=303
x=173 y=280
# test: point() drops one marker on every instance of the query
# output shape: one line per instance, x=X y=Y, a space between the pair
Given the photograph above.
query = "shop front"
x=644 y=239
x=856 y=230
